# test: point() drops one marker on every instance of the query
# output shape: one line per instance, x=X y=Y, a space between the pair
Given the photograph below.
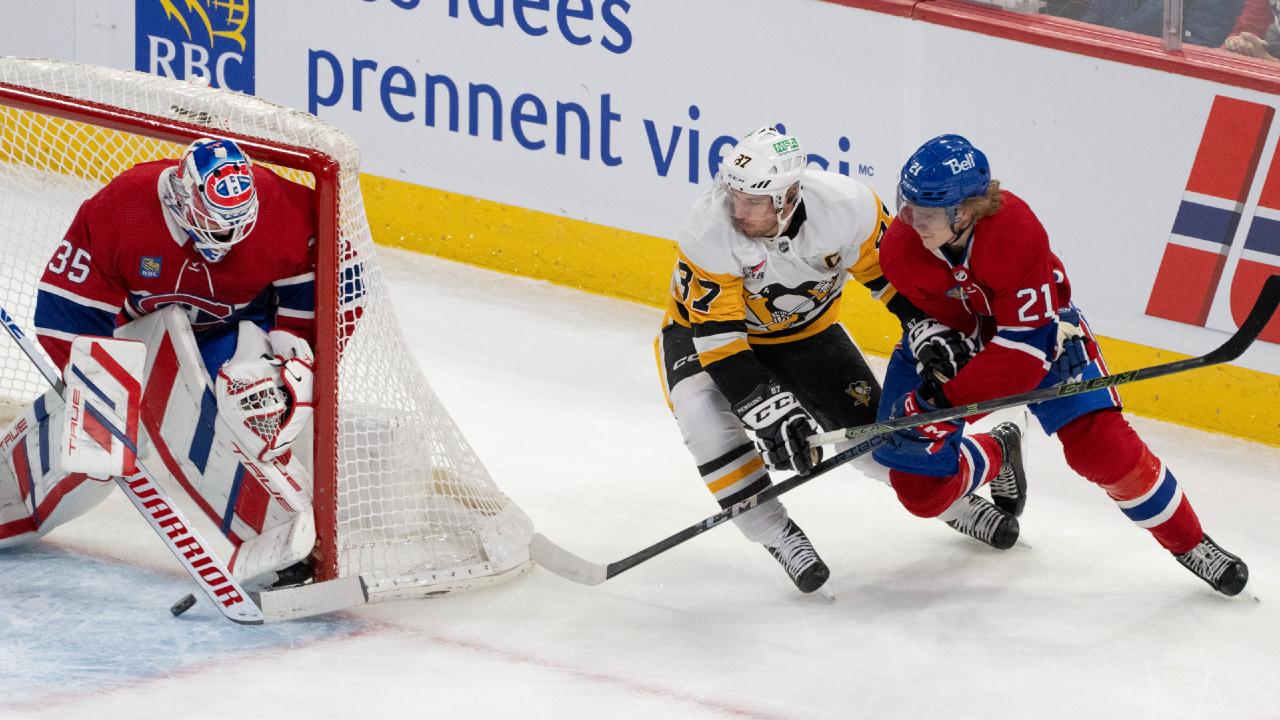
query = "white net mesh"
x=417 y=513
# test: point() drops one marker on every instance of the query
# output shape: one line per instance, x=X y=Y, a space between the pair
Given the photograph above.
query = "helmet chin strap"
x=955 y=234
x=784 y=222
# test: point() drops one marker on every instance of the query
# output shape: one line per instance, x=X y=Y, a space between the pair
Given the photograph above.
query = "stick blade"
x=315 y=599
x=565 y=564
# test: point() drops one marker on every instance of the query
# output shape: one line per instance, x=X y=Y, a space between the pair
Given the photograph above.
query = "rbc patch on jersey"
x=149 y=267
x=225 y=178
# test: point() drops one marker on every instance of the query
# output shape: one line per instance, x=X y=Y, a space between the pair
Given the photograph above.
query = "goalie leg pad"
x=36 y=493
x=202 y=449
x=257 y=559
x=104 y=387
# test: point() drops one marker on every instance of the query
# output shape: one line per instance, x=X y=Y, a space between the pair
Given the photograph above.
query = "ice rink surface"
x=1087 y=617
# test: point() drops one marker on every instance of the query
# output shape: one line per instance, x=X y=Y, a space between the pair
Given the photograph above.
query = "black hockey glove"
x=781 y=427
x=940 y=352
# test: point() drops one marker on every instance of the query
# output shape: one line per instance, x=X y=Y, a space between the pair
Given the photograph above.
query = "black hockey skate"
x=1225 y=572
x=988 y=523
x=799 y=559
x=1009 y=488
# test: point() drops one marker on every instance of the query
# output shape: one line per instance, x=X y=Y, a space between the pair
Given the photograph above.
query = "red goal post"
x=385 y=505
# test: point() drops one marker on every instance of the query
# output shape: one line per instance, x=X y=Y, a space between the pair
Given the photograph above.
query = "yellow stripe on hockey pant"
x=751 y=466
x=722 y=352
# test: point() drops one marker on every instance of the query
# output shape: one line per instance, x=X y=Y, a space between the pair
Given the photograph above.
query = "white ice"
x=1085 y=618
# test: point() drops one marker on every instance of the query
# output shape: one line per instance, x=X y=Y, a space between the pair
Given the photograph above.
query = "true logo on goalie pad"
x=104 y=390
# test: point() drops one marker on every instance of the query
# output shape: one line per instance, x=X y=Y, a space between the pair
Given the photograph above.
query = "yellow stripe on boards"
x=637 y=267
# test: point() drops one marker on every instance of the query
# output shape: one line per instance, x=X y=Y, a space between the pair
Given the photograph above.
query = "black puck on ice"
x=183 y=605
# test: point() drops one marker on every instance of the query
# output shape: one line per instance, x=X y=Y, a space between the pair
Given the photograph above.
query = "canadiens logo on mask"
x=229 y=186
x=212 y=196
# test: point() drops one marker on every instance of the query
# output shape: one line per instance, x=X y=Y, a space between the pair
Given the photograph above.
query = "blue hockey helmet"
x=943 y=173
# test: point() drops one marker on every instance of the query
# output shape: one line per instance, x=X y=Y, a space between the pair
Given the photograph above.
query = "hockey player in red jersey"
x=161 y=234
x=976 y=259
x=210 y=261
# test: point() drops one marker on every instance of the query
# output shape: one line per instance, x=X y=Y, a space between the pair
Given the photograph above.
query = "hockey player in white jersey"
x=751 y=340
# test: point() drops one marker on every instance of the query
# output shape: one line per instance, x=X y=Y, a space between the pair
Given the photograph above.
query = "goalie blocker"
x=228 y=445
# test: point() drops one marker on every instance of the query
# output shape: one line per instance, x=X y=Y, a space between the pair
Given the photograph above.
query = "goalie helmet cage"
x=400 y=497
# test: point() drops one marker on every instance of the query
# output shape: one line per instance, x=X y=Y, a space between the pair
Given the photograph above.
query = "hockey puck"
x=183 y=605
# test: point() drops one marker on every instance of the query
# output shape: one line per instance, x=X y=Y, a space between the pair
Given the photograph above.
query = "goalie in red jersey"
x=977 y=261
x=209 y=261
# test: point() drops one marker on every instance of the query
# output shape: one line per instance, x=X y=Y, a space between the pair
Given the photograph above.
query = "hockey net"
x=401 y=498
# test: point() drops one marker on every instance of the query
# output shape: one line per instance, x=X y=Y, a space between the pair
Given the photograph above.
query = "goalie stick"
x=567 y=565
x=150 y=499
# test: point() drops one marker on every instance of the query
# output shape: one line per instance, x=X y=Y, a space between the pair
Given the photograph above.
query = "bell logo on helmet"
x=959 y=166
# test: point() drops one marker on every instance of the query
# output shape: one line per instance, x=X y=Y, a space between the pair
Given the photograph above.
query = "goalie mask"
x=212 y=197
x=764 y=167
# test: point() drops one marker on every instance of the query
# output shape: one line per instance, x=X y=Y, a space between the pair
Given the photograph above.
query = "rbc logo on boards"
x=202 y=40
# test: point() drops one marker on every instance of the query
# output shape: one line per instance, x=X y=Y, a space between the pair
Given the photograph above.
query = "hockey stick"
x=567 y=565
x=150 y=499
x=1263 y=308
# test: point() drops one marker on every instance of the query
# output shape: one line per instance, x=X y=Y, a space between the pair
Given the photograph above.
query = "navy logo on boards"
x=204 y=41
x=149 y=267
x=861 y=392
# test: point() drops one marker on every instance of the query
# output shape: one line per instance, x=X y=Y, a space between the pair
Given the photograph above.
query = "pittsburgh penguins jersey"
x=124 y=257
x=737 y=291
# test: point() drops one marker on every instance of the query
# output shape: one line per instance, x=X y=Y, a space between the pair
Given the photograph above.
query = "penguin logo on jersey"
x=779 y=305
x=861 y=392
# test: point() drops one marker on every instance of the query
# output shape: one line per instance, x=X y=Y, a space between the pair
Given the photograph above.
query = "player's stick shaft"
x=1259 y=316
x=41 y=364
x=570 y=566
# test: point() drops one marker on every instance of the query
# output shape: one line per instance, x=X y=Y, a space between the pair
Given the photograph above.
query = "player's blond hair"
x=985 y=206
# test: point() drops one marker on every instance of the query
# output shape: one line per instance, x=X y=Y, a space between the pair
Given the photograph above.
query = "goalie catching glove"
x=781 y=427
x=940 y=351
x=267 y=386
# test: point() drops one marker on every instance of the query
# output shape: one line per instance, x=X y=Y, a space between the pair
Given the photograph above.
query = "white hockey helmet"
x=766 y=162
x=212 y=196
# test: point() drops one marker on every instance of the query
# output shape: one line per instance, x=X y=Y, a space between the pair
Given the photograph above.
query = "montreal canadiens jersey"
x=1008 y=285
x=125 y=257
x=736 y=291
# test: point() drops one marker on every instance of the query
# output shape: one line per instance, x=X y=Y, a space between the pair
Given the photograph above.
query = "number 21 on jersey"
x=1029 y=312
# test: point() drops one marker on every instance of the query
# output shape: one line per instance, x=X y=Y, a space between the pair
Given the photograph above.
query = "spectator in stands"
x=1204 y=22
x=1256 y=31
